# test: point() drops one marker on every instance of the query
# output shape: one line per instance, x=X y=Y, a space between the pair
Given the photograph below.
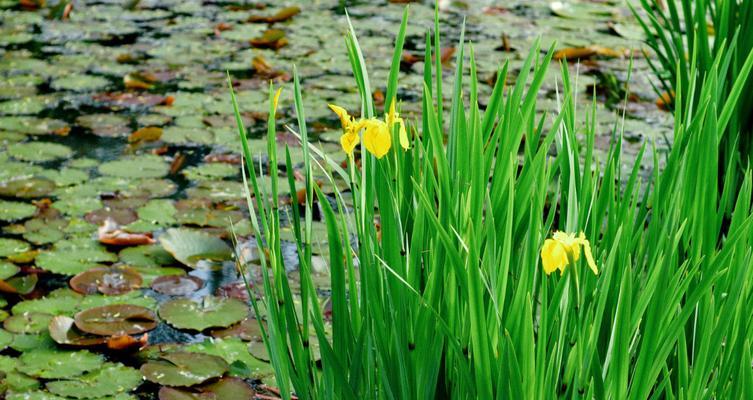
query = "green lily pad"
x=189 y=246
x=8 y=269
x=6 y=338
x=110 y=380
x=20 y=382
x=211 y=312
x=235 y=352
x=80 y=83
x=51 y=305
x=11 y=247
x=27 y=187
x=43 y=231
x=211 y=171
x=159 y=212
x=148 y=256
x=31 y=125
x=117 y=319
x=32 y=322
x=77 y=206
x=35 y=395
x=66 y=176
x=143 y=166
x=13 y=211
x=184 y=369
x=74 y=260
x=56 y=364
x=39 y=151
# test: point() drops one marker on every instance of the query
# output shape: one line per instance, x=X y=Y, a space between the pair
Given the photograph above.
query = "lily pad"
x=117 y=319
x=113 y=280
x=226 y=389
x=110 y=380
x=27 y=187
x=13 y=211
x=56 y=364
x=143 y=166
x=177 y=285
x=6 y=338
x=8 y=269
x=79 y=83
x=71 y=261
x=32 y=322
x=10 y=247
x=184 y=369
x=189 y=246
x=210 y=312
x=39 y=151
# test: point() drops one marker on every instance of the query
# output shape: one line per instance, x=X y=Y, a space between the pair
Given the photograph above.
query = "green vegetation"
x=698 y=41
x=438 y=289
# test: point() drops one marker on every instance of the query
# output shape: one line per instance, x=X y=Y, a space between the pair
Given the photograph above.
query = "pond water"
x=119 y=164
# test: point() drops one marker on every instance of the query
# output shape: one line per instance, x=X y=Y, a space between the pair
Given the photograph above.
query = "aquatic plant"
x=439 y=257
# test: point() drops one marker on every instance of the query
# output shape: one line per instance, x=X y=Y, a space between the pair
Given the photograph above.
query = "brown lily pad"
x=225 y=389
x=271 y=39
x=113 y=280
x=249 y=330
x=184 y=369
x=280 y=16
x=177 y=285
x=117 y=319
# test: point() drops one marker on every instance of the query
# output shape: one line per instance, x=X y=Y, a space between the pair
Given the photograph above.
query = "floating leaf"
x=117 y=319
x=211 y=312
x=80 y=83
x=10 y=247
x=280 y=16
x=27 y=188
x=143 y=166
x=248 y=330
x=72 y=261
x=184 y=369
x=270 y=39
x=31 y=322
x=39 y=151
x=113 y=280
x=7 y=269
x=190 y=246
x=225 y=389
x=6 y=338
x=146 y=134
x=56 y=364
x=576 y=53
x=109 y=380
x=13 y=211
x=177 y=285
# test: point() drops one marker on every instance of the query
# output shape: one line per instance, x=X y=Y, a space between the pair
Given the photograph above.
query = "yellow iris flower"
x=376 y=137
x=350 y=138
x=377 y=134
x=393 y=118
x=563 y=247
